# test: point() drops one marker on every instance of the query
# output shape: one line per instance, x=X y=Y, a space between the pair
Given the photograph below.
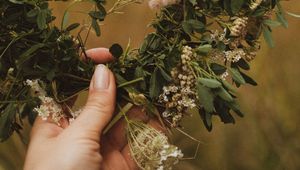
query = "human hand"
x=80 y=145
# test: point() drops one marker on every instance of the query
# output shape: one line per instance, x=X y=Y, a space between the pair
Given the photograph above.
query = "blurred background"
x=269 y=135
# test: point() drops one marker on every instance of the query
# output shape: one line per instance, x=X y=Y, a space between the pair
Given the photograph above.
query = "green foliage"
x=31 y=48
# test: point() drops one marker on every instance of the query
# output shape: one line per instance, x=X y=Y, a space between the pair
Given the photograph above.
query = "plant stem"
x=14 y=101
x=122 y=113
x=70 y=97
x=73 y=76
x=130 y=82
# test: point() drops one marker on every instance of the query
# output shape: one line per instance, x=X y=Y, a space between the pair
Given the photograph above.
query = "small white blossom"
x=48 y=108
x=150 y=148
x=254 y=4
x=224 y=75
x=36 y=87
x=238 y=26
x=234 y=55
x=178 y=97
x=219 y=37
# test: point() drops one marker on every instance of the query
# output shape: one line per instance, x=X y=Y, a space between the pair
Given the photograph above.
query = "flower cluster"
x=150 y=148
x=157 y=4
x=216 y=36
x=48 y=107
x=180 y=96
x=254 y=4
x=234 y=55
x=238 y=26
x=224 y=75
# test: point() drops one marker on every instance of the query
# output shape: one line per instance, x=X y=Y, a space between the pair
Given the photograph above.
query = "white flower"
x=48 y=107
x=219 y=37
x=254 y=4
x=234 y=55
x=238 y=26
x=35 y=87
x=224 y=75
x=178 y=97
x=150 y=148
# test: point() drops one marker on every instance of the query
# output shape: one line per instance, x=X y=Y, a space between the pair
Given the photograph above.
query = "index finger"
x=99 y=55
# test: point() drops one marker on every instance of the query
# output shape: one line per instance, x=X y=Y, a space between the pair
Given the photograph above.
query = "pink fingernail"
x=101 y=77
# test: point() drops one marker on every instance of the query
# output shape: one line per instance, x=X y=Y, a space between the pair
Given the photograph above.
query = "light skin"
x=81 y=145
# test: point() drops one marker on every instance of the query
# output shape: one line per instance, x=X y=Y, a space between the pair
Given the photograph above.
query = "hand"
x=80 y=145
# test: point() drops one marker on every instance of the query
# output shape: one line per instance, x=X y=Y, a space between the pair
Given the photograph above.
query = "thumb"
x=101 y=102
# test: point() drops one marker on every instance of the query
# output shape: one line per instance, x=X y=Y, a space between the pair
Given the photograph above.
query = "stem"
x=118 y=5
x=66 y=12
x=11 y=42
x=12 y=85
x=70 y=97
x=14 y=101
x=192 y=71
x=130 y=82
x=73 y=76
x=122 y=113
x=14 y=40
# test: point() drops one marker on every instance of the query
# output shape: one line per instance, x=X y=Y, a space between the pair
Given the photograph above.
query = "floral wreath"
x=193 y=62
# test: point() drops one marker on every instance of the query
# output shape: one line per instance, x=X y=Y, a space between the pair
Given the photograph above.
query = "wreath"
x=193 y=61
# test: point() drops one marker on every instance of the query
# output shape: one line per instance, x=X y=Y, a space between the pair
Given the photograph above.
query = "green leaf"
x=6 y=118
x=211 y=83
x=194 y=25
x=236 y=5
x=194 y=2
x=32 y=13
x=204 y=49
x=236 y=108
x=223 y=111
x=236 y=75
x=227 y=6
x=206 y=97
x=116 y=50
x=217 y=68
x=27 y=54
x=272 y=23
x=207 y=119
x=65 y=19
x=139 y=72
x=228 y=86
x=99 y=15
x=51 y=74
x=96 y=27
x=101 y=8
x=242 y=63
x=281 y=18
x=224 y=95
x=72 y=26
x=248 y=79
x=187 y=27
x=268 y=37
x=154 y=84
x=42 y=19
x=164 y=74
x=280 y=14
x=17 y=1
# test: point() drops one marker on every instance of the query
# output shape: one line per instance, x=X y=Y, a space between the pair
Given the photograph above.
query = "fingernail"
x=101 y=77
